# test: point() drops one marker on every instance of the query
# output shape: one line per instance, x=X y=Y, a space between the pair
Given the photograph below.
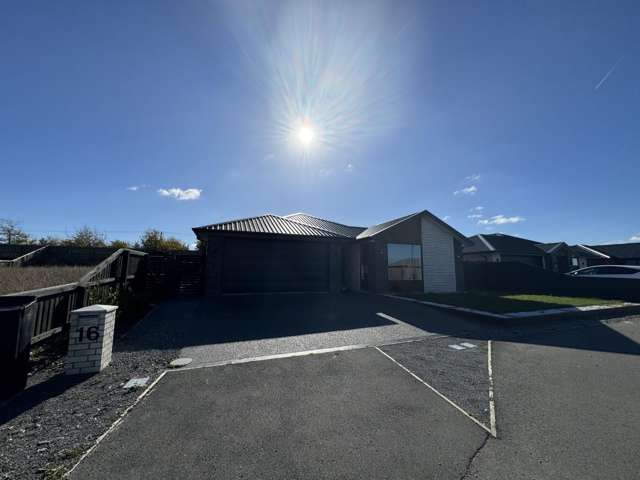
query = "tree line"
x=150 y=240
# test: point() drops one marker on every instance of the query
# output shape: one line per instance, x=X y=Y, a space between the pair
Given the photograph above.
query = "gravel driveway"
x=45 y=429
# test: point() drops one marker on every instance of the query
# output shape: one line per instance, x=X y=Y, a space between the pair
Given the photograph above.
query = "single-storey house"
x=612 y=254
x=584 y=256
x=500 y=247
x=303 y=253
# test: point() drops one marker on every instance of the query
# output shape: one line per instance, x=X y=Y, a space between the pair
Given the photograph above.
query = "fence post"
x=124 y=269
x=81 y=297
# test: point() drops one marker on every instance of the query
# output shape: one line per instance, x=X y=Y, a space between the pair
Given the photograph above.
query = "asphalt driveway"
x=237 y=327
x=565 y=396
x=353 y=414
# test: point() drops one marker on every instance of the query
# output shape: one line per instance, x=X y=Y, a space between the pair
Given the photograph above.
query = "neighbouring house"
x=303 y=253
x=499 y=247
x=583 y=256
x=613 y=254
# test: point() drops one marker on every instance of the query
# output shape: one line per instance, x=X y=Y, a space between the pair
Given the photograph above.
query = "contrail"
x=604 y=79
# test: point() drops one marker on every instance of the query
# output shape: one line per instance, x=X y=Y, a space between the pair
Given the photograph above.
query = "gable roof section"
x=478 y=244
x=267 y=224
x=550 y=247
x=618 y=250
x=327 y=225
x=376 y=229
x=586 y=252
x=501 y=243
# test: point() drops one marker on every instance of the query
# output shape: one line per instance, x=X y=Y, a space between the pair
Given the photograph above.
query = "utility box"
x=90 y=339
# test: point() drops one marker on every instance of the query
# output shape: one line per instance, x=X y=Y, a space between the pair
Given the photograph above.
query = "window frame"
x=414 y=264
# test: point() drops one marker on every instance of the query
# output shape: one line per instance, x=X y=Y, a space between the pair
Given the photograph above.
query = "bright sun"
x=305 y=135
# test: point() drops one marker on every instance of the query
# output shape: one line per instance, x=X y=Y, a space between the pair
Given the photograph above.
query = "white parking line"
x=492 y=407
x=394 y=319
x=117 y=422
x=468 y=345
x=446 y=399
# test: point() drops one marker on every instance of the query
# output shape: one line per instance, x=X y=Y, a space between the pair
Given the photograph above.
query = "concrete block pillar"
x=90 y=339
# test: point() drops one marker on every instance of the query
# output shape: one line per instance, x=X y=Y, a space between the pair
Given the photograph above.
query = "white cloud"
x=475 y=215
x=476 y=209
x=135 y=188
x=180 y=194
x=467 y=191
x=473 y=178
x=501 y=220
x=635 y=238
x=446 y=217
x=349 y=168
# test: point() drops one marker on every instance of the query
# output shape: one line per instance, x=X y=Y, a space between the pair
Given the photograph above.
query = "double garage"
x=255 y=265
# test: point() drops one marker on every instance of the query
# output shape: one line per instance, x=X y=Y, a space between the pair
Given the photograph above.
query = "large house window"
x=404 y=261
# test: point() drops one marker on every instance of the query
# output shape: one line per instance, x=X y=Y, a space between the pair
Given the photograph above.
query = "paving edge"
x=115 y=424
x=623 y=307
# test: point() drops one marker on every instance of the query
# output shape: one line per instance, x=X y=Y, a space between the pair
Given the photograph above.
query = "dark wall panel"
x=251 y=266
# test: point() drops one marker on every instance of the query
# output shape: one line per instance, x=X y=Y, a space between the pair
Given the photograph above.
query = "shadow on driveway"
x=196 y=322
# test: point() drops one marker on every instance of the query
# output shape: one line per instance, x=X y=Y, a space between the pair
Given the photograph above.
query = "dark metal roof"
x=586 y=252
x=327 y=225
x=501 y=243
x=301 y=224
x=549 y=247
x=619 y=250
x=267 y=224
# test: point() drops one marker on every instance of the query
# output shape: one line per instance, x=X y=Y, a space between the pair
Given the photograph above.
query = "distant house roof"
x=502 y=243
x=587 y=252
x=550 y=247
x=619 y=250
x=267 y=224
x=327 y=225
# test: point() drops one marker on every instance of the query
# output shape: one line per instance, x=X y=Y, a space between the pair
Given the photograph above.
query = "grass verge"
x=508 y=302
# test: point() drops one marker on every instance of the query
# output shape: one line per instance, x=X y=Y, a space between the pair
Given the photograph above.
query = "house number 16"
x=92 y=333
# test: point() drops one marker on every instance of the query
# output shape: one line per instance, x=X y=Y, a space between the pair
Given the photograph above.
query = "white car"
x=631 y=272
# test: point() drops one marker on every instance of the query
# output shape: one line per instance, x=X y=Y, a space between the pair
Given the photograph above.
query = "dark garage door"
x=252 y=266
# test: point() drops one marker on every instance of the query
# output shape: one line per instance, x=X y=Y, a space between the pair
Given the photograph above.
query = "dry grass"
x=13 y=280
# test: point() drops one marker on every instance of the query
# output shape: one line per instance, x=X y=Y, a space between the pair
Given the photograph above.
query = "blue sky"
x=197 y=104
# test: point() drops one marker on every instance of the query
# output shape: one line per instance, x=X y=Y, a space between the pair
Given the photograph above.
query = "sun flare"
x=305 y=135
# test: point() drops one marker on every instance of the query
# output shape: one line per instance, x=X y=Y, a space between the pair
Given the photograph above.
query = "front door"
x=366 y=254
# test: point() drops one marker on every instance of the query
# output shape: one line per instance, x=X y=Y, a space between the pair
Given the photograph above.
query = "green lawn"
x=509 y=303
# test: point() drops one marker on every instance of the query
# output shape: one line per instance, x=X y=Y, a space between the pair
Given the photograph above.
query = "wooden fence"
x=121 y=269
x=24 y=259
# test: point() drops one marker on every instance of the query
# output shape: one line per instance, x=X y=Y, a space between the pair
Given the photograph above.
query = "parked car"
x=609 y=271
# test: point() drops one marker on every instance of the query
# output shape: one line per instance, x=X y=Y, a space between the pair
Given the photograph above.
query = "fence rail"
x=53 y=304
x=23 y=259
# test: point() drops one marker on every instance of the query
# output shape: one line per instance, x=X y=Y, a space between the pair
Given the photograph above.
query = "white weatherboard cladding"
x=438 y=258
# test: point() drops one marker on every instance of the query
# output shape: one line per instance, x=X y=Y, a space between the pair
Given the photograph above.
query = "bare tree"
x=11 y=233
